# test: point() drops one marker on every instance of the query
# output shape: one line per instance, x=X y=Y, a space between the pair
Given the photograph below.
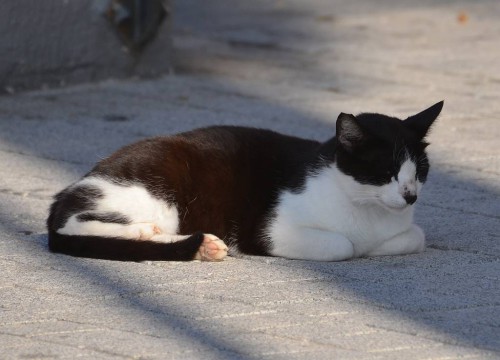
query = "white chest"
x=324 y=205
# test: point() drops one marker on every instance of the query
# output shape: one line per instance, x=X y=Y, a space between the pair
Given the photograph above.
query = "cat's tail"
x=126 y=249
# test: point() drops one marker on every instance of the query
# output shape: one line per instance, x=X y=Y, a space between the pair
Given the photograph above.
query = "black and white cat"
x=262 y=193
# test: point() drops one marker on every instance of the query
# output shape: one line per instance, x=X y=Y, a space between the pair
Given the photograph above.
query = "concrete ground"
x=291 y=66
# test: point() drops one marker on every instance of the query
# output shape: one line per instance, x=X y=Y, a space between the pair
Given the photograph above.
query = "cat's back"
x=218 y=148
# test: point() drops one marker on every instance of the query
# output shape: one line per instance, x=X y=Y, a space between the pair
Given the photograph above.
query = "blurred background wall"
x=52 y=43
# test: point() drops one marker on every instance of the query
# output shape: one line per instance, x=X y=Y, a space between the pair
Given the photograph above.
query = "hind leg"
x=135 y=231
x=141 y=231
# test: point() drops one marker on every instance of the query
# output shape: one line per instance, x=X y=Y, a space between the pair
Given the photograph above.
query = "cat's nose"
x=410 y=198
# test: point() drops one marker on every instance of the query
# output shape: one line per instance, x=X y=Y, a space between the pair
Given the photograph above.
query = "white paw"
x=212 y=249
x=143 y=231
x=419 y=241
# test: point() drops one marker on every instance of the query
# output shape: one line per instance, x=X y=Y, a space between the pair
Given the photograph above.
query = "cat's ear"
x=422 y=122
x=349 y=132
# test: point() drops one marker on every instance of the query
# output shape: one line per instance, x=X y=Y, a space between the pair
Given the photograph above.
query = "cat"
x=184 y=197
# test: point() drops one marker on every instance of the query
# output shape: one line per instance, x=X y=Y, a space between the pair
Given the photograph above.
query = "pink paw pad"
x=212 y=249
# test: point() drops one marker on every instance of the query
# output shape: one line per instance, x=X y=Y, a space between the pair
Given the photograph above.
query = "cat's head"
x=384 y=157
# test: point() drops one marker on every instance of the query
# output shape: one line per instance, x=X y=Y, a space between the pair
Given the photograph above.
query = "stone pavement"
x=291 y=66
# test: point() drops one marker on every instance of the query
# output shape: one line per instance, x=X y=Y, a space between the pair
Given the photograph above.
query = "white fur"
x=337 y=218
x=136 y=203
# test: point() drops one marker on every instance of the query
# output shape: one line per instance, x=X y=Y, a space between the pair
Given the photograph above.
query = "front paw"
x=410 y=242
x=418 y=239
